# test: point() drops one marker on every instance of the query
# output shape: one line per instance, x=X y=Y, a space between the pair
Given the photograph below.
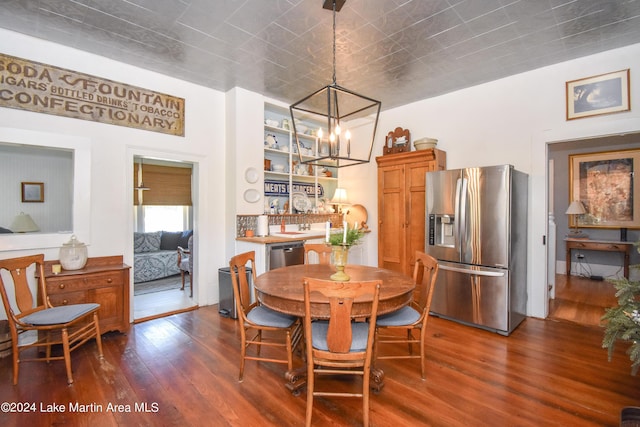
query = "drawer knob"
x=109 y=280
x=65 y=302
x=61 y=286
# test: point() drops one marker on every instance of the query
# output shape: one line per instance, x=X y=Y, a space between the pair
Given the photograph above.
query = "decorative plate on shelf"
x=301 y=202
x=252 y=195
x=251 y=175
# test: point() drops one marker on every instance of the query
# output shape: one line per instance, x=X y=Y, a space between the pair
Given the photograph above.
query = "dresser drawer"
x=71 y=284
x=78 y=297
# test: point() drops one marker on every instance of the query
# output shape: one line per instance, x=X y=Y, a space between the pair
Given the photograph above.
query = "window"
x=167 y=218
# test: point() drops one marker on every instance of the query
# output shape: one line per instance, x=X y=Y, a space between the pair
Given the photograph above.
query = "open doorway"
x=163 y=238
x=583 y=295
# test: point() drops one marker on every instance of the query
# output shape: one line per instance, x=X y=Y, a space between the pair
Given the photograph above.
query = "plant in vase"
x=340 y=244
x=623 y=322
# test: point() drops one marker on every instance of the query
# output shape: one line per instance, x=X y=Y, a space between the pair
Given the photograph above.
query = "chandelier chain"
x=334 y=42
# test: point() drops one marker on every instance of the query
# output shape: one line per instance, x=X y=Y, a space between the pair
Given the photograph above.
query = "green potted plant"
x=340 y=244
x=622 y=323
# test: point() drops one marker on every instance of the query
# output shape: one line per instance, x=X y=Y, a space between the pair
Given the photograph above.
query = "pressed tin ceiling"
x=397 y=51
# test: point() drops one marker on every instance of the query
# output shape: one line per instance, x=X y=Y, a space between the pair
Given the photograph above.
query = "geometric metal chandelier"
x=343 y=121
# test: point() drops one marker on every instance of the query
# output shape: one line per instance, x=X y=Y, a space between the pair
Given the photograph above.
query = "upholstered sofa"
x=155 y=254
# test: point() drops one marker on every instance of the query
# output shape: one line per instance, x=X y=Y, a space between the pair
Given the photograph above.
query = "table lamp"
x=340 y=199
x=576 y=208
x=23 y=223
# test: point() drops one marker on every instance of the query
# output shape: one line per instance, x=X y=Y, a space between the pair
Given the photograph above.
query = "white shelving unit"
x=285 y=154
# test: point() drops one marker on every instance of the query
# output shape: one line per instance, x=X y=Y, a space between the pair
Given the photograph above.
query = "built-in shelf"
x=312 y=181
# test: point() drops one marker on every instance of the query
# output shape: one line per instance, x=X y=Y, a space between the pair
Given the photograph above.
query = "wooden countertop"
x=276 y=239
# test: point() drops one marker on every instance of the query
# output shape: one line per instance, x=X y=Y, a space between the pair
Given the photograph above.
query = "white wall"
x=509 y=121
x=112 y=149
x=53 y=168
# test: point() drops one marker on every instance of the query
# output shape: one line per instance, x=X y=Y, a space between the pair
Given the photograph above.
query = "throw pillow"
x=169 y=240
x=183 y=241
x=146 y=242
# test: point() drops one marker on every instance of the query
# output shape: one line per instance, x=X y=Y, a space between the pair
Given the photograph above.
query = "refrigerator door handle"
x=472 y=271
x=457 y=218
x=461 y=196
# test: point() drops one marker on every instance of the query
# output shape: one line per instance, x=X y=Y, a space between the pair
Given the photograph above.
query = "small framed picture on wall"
x=32 y=192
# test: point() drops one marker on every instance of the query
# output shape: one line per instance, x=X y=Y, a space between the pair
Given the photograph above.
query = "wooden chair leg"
x=423 y=335
x=47 y=350
x=67 y=355
x=96 y=324
x=16 y=361
x=182 y=278
x=289 y=353
x=365 y=398
x=243 y=353
x=190 y=285
x=310 y=385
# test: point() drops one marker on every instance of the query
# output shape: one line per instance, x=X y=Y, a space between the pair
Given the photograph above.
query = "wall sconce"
x=576 y=208
x=23 y=223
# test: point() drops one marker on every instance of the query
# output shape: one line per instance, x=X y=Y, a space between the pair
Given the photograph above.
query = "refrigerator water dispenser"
x=441 y=232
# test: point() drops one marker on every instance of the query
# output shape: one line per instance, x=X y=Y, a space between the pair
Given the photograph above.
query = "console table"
x=599 y=245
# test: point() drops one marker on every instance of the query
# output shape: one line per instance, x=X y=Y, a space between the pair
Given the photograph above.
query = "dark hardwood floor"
x=581 y=300
x=184 y=368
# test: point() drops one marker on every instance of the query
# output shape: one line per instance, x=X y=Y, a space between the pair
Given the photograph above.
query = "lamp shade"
x=576 y=208
x=340 y=197
x=23 y=223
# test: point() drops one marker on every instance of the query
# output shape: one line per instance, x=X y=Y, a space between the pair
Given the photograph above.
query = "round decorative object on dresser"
x=73 y=254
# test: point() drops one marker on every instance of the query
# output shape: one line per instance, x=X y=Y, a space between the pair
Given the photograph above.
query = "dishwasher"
x=284 y=254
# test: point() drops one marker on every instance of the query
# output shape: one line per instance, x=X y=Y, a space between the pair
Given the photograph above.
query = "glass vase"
x=73 y=254
x=339 y=255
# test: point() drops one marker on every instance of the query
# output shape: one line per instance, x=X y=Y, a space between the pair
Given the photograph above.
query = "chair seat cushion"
x=184 y=264
x=264 y=316
x=359 y=330
x=61 y=314
x=405 y=316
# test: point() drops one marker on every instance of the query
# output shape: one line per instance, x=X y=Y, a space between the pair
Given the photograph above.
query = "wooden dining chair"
x=321 y=250
x=412 y=317
x=339 y=346
x=257 y=318
x=185 y=264
x=68 y=325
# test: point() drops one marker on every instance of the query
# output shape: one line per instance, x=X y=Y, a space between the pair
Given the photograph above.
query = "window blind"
x=168 y=186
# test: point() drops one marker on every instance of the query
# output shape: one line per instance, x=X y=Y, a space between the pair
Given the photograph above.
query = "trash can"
x=227 y=302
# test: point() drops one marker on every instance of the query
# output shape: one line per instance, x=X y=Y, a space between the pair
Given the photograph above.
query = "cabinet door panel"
x=110 y=299
x=391 y=218
x=415 y=212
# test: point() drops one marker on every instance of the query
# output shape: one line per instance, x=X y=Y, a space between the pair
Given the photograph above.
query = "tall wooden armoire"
x=401 y=206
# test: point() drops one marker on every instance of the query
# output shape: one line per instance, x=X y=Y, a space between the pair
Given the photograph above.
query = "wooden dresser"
x=401 y=206
x=104 y=280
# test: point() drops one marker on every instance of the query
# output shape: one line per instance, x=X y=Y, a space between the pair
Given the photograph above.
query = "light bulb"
x=347 y=134
x=320 y=133
x=337 y=129
x=332 y=137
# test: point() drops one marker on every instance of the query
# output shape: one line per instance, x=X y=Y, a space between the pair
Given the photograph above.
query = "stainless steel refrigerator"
x=477 y=229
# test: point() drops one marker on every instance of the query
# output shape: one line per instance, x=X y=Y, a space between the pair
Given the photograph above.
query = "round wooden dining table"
x=281 y=289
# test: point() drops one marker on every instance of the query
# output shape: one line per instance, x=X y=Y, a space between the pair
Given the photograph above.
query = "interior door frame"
x=132 y=153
